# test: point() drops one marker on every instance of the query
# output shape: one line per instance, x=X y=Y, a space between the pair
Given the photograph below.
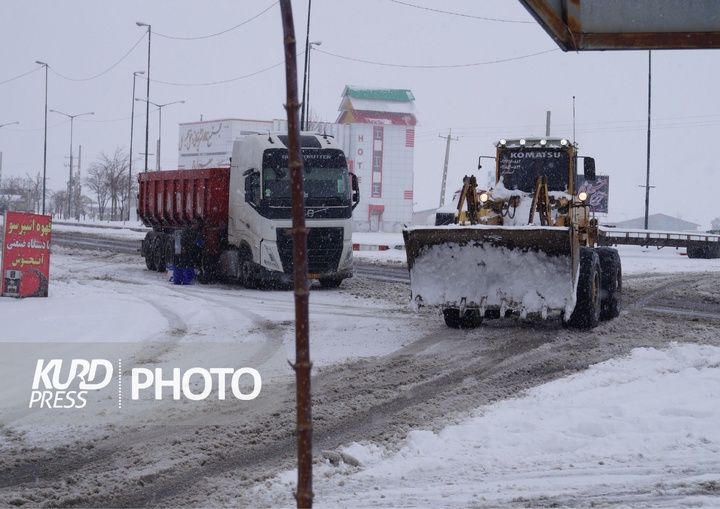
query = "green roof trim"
x=383 y=94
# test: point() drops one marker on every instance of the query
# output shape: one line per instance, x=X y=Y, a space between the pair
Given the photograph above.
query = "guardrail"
x=698 y=245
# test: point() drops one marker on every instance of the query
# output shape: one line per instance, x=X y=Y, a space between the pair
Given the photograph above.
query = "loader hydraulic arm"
x=469 y=194
x=540 y=202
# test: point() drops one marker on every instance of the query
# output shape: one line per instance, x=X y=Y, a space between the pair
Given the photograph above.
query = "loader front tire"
x=587 y=307
x=469 y=320
x=610 y=283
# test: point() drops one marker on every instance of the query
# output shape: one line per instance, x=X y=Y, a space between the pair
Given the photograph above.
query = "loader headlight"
x=522 y=142
x=484 y=197
x=582 y=196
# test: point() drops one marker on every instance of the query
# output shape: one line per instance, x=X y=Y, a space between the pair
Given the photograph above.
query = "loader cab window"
x=519 y=167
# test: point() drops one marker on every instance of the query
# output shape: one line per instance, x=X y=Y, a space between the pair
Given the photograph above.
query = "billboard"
x=26 y=255
x=598 y=192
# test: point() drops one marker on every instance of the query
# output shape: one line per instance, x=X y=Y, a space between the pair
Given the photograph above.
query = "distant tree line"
x=102 y=193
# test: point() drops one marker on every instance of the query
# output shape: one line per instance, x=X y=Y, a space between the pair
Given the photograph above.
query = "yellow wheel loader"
x=524 y=246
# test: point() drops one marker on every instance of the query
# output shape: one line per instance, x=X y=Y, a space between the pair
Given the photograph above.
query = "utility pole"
x=647 y=177
x=547 y=124
x=449 y=138
x=78 y=190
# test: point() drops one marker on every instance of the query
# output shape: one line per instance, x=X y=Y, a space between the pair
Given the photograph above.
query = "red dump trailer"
x=170 y=200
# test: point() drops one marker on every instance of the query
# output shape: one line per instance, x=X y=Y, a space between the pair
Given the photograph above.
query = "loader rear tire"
x=610 y=283
x=587 y=307
x=471 y=319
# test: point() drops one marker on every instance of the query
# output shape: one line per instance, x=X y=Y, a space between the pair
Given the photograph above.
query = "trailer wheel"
x=169 y=250
x=587 y=307
x=158 y=254
x=148 y=254
x=471 y=319
x=610 y=283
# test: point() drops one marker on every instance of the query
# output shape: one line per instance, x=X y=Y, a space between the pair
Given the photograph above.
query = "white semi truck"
x=234 y=224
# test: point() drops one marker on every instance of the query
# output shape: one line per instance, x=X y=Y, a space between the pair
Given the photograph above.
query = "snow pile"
x=494 y=275
x=634 y=430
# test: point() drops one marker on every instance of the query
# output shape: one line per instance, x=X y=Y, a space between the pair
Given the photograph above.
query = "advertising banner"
x=26 y=255
x=598 y=192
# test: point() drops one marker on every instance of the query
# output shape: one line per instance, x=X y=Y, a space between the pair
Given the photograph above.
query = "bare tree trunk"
x=302 y=366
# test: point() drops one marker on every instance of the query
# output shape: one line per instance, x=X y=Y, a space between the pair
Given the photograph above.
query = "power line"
x=20 y=76
x=106 y=70
x=222 y=81
x=449 y=66
x=217 y=33
x=459 y=14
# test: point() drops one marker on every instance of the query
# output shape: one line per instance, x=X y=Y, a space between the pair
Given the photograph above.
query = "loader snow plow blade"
x=528 y=270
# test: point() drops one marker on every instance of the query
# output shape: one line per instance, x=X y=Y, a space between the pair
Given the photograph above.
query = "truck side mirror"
x=355 y=190
x=589 y=168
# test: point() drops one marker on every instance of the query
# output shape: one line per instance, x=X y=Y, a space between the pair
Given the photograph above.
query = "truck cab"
x=260 y=212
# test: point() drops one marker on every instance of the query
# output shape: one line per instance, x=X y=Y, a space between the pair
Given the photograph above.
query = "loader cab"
x=520 y=161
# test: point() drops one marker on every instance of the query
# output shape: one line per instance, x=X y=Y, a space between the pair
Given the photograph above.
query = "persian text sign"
x=26 y=255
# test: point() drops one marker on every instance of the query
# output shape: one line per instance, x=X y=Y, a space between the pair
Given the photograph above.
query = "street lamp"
x=45 y=149
x=1 y=126
x=147 y=106
x=159 y=107
x=132 y=121
x=306 y=99
x=305 y=71
x=70 y=186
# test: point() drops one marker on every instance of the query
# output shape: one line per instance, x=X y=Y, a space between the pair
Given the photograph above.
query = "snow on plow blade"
x=523 y=269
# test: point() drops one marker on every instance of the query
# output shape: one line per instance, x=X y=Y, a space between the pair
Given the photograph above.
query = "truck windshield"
x=519 y=167
x=326 y=182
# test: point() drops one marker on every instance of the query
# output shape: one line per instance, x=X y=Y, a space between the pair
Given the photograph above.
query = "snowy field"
x=637 y=431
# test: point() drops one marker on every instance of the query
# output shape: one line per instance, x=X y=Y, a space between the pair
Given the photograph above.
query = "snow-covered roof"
x=354 y=103
x=382 y=94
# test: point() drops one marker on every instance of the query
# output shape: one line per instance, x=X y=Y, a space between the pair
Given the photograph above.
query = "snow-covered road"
x=407 y=413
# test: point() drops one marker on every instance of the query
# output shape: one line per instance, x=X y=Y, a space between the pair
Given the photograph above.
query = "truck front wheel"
x=469 y=320
x=330 y=282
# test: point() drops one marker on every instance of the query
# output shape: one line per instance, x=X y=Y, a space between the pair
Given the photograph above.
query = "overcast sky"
x=484 y=69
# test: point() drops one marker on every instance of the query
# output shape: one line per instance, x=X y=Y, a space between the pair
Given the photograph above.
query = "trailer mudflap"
x=527 y=270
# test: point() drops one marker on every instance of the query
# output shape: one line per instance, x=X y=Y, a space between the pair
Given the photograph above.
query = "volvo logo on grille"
x=310 y=213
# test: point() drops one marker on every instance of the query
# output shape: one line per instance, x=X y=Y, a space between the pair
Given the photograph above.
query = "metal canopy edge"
x=591 y=25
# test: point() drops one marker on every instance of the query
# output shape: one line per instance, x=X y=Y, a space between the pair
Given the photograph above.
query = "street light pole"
x=132 y=121
x=159 y=107
x=147 y=106
x=307 y=100
x=1 y=126
x=70 y=179
x=305 y=72
x=45 y=149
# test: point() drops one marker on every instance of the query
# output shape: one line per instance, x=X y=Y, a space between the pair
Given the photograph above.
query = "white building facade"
x=378 y=144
